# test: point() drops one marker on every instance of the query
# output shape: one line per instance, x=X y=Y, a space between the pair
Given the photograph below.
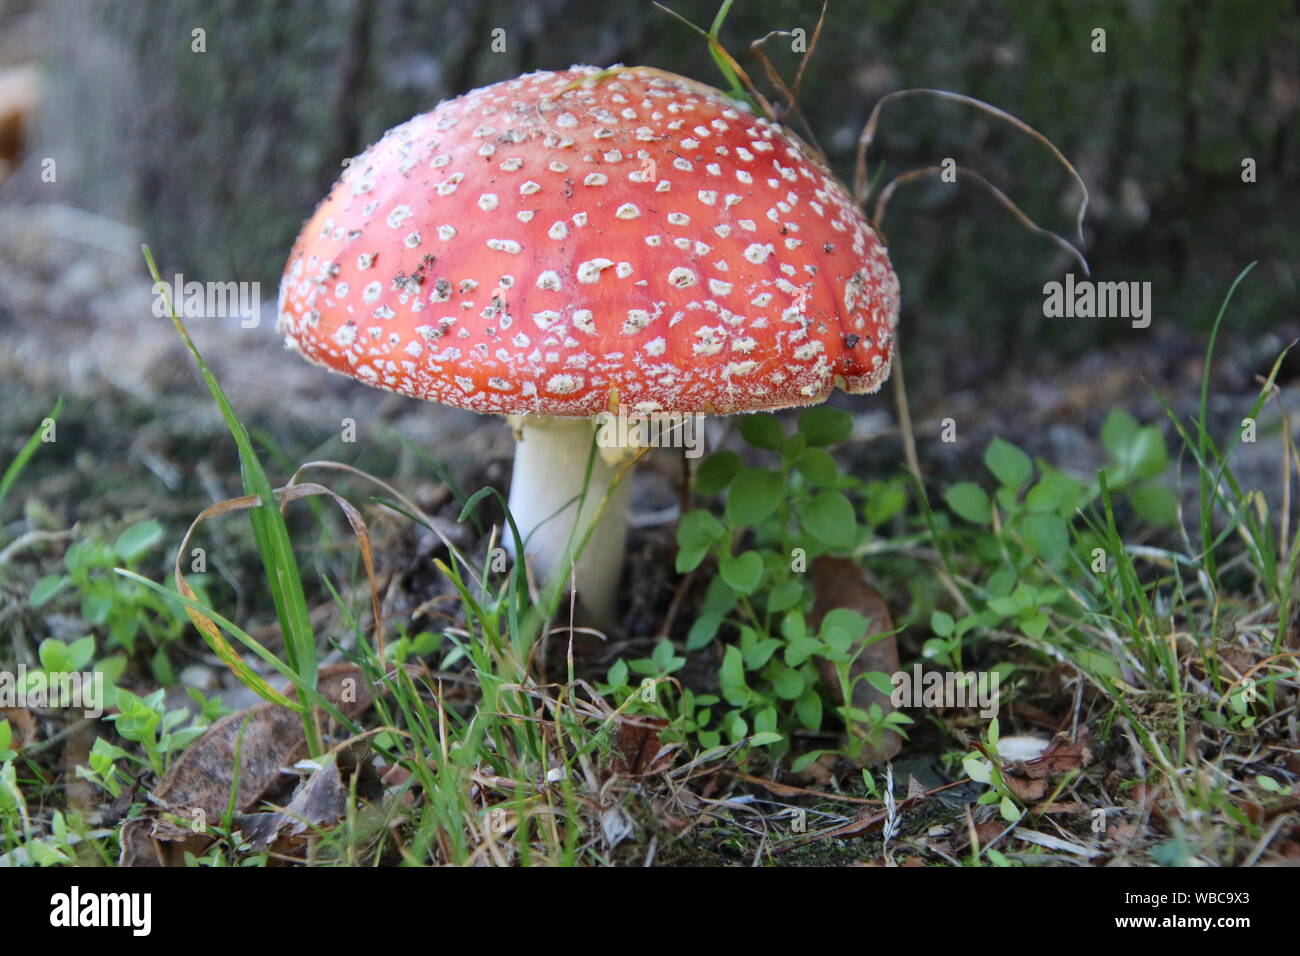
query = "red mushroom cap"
x=563 y=241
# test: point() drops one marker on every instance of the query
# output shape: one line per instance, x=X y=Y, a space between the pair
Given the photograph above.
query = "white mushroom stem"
x=550 y=468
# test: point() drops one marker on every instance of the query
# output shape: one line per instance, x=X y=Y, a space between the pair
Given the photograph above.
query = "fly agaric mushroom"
x=569 y=243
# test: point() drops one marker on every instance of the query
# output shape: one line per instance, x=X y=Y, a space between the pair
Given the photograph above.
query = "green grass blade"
x=1206 y=488
x=28 y=450
x=269 y=530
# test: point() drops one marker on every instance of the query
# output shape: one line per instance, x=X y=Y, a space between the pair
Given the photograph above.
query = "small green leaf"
x=941 y=623
x=1047 y=535
x=1044 y=496
x=808 y=708
x=1149 y=454
x=696 y=533
x=1264 y=783
x=112 y=668
x=699 y=527
x=884 y=501
x=716 y=472
x=800 y=649
x=1138 y=452
x=54 y=656
x=732 y=673
x=829 y=517
x=46 y=588
x=1001 y=582
x=789 y=684
x=765 y=738
x=968 y=500
x=1156 y=502
x=976 y=768
x=762 y=431
x=754 y=494
x=719 y=598
x=703 y=630
x=742 y=572
x=807 y=760
x=759 y=653
x=688 y=559
x=1035 y=625
x=1055 y=492
x=1009 y=464
x=1118 y=432
x=1010 y=812
x=817 y=466
x=1004 y=606
x=824 y=425
x=880 y=681
x=784 y=596
x=137 y=539
x=81 y=652
x=842 y=626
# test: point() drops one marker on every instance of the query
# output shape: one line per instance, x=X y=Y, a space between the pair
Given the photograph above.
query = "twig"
x=32 y=537
x=905 y=415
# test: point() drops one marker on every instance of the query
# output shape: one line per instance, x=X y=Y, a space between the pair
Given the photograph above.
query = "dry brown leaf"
x=786 y=790
x=196 y=790
x=1027 y=789
x=1068 y=807
x=1122 y=832
x=1030 y=780
x=22 y=723
x=1254 y=811
x=821 y=772
x=319 y=800
x=1060 y=756
x=959 y=839
x=638 y=749
x=81 y=794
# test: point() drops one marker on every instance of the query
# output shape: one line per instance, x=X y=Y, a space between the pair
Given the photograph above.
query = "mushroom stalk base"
x=550 y=467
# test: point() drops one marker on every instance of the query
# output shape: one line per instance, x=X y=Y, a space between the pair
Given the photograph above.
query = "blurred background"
x=116 y=129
